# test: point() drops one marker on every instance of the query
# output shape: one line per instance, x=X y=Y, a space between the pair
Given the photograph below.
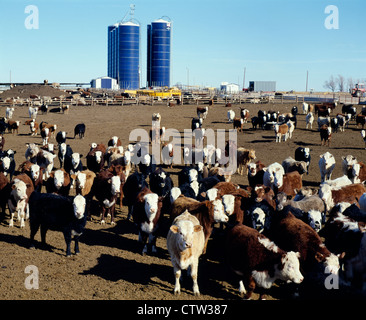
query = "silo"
x=124 y=54
x=158 y=53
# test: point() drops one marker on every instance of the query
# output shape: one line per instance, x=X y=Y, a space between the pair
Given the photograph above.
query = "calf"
x=293 y=234
x=360 y=120
x=160 y=182
x=146 y=215
x=290 y=165
x=59 y=182
x=255 y=173
x=5 y=189
x=21 y=189
x=230 y=116
x=61 y=137
x=54 y=212
x=244 y=114
x=313 y=208
x=258 y=261
x=326 y=166
x=309 y=120
x=106 y=188
x=281 y=131
x=95 y=158
x=346 y=237
x=350 y=193
x=260 y=193
x=185 y=244
x=202 y=111
x=134 y=184
x=243 y=157
x=303 y=154
x=13 y=126
x=273 y=177
x=7 y=164
x=34 y=172
x=238 y=124
x=358 y=173
x=64 y=156
x=325 y=135
x=79 y=130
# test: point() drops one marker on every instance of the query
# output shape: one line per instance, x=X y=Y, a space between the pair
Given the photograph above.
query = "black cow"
x=79 y=130
x=160 y=182
x=133 y=185
x=61 y=137
x=57 y=213
x=64 y=156
x=303 y=154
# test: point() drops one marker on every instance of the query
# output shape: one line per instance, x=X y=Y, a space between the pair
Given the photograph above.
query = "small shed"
x=104 y=83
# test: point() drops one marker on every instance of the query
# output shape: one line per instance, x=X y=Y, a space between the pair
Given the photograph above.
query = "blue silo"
x=124 y=54
x=158 y=53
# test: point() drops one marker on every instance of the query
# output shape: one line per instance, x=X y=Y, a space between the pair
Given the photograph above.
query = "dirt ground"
x=110 y=265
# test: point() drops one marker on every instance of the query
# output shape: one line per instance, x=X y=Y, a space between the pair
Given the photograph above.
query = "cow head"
x=258 y=219
x=193 y=175
x=35 y=171
x=228 y=200
x=5 y=163
x=98 y=156
x=151 y=205
x=80 y=180
x=316 y=219
x=79 y=203
x=59 y=178
x=184 y=231
x=212 y=194
x=175 y=192
x=252 y=169
x=75 y=159
x=219 y=212
x=115 y=183
x=281 y=200
x=19 y=190
x=290 y=267
x=330 y=262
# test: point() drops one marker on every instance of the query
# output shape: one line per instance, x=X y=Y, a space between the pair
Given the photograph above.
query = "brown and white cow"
x=255 y=173
x=21 y=189
x=238 y=124
x=292 y=234
x=281 y=131
x=202 y=111
x=325 y=135
x=258 y=261
x=59 y=182
x=292 y=181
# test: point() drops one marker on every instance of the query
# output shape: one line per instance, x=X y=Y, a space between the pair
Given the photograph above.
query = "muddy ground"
x=110 y=265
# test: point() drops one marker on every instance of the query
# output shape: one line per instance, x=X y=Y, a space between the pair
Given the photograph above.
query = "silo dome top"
x=129 y=23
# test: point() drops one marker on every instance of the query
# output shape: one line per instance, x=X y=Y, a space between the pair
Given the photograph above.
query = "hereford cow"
x=106 y=188
x=293 y=234
x=273 y=177
x=325 y=135
x=59 y=182
x=255 y=173
x=21 y=189
x=281 y=131
x=185 y=243
x=258 y=261
x=350 y=193
x=146 y=215
x=202 y=112
x=303 y=154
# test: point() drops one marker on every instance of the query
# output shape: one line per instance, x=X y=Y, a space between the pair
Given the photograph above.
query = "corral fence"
x=198 y=99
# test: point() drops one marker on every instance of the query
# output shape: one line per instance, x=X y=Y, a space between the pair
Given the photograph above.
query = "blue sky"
x=213 y=40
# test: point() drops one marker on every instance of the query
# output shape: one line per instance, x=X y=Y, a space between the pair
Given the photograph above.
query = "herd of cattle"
x=275 y=229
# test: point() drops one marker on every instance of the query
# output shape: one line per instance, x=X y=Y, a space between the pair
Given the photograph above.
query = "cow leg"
x=43 y=235
x=251 y=286
x=152 y=242
x=194 y=273
x=130 y=208
x=76 y=239
x=143 y=239
x=33 y=231
x=112 y=210
x=177 y=273
x=67 y=236
x=102 y=215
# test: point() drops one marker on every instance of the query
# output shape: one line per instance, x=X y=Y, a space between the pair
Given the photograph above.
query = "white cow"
x=309 y=120
x=273 y=176
x=185 y=243
x=326 y=166
x=9 y=113
x=230 y=115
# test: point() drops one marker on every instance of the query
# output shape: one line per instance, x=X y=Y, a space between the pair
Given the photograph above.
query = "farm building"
x=226 y=87
x=104 y=83
x=257 y=86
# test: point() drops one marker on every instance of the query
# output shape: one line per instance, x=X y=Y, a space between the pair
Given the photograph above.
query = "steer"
x=106 y=188
x=146 y=215
x=58 y=213
x=185 y=243
x=258 y=261
x=21 y=189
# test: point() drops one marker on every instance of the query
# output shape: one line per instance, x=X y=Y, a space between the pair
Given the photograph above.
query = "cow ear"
x=197 y=228
x=109 y=181
x=341 y=255
x=298 y=254
x=80 y=155
x=174 y=229
x=73 y=176
x=319 y=257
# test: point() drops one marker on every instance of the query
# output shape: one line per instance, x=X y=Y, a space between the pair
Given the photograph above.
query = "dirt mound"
x=25 y=91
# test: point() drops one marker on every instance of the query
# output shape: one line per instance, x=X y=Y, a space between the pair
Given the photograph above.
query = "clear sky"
x=213 y=41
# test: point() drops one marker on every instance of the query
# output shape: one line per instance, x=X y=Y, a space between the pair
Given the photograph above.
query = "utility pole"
x=245 y=69
x=307 y=79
